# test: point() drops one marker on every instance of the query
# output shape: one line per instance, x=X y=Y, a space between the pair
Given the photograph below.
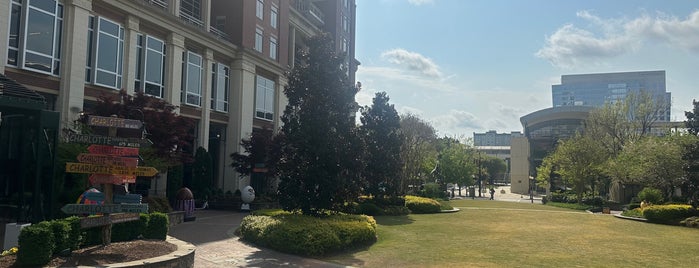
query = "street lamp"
x=531 y=190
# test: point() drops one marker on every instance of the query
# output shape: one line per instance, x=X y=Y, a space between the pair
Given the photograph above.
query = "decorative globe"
x=248 y=194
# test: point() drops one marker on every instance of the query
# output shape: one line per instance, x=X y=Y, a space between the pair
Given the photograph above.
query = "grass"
x=507 y=234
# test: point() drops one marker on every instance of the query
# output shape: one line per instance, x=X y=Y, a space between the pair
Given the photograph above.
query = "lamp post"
x=531 y=189
x=480 y=175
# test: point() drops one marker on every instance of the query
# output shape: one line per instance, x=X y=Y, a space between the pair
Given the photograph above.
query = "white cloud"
x=571 y=45
x=456 y=122
x=412 y=61
x=420 y=2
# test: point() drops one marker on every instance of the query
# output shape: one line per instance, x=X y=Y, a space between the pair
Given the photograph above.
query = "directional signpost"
x=90 y=222
x=99 y=159
x=112 y=150
x=114 y=122
x=111 y=179
x=106 y=140
x=113 y=170
x=104 y=208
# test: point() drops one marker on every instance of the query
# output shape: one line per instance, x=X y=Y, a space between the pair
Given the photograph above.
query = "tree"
x=658 y=163
x=578 y=161
x=202 y=173
x=321 y=166
x=382 y=139
x=455 y=163
x=494 y=168
x=418 y=151
x=692 y=121
x=261 y=150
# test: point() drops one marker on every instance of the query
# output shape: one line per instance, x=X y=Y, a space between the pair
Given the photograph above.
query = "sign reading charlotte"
x=101 y=121
x=105 y=208
x=115 y=170
x=106 y=140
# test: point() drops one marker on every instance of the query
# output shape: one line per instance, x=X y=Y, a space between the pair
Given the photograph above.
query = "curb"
x=182 y=257
x=630 y=218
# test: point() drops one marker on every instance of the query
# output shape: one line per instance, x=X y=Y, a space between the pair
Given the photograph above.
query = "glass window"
x=273 y=17
x=191 y=8
x=264 y=98
x=273 y=48
x=38 y=24
x=192 y=78
x=108 y=42
x=219 y=87
x=258 y=39
x=259 y=9
x=150 y=63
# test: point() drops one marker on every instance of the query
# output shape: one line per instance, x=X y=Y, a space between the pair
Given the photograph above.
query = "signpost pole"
x=107 y=188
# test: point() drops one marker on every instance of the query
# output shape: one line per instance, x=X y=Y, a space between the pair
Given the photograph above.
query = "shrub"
x=157 y=204
x=368 y=208
x=92 y=236
x=308 y=236
x=569 y=205
x=35 y=245
x=61 y=235
x=157 y=226
x=444 y=205
x=127 y=231
x=636 y=213
x=669 y=214
x=652 y=195
x=422 y=205
x=74 y=235
x=432 y=190
x=690 y=222
x=396 y=211
x=384 y=201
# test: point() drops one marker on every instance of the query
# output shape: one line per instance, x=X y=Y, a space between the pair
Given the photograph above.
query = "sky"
x=470 y=66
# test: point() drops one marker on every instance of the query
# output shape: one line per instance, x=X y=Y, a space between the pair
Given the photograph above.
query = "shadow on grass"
x=393 y=220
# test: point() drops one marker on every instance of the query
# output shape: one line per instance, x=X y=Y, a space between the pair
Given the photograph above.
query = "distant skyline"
x=478 y=65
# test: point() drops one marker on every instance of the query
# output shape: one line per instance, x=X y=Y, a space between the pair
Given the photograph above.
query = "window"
x=258 y=39
x=35 y=36
x=150 y=66
x=191 y=82
x=345 y=45
x=191 y=8
x=273 y=48
x=259 y=9
x=264 y=99
x=219 y=87
x=273 y=17
x=105 y=52
x=345 y=24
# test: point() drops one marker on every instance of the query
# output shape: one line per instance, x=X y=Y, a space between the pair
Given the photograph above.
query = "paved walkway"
x=507 y=196
x=217 y=246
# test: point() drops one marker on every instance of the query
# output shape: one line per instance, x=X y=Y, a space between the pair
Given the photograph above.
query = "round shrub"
x=61 y=235
x=157 y=226
x=368 y=208
x=74 y=235
x=396 y=211
x=652 y=195
x=422 y=205
x=35 y=245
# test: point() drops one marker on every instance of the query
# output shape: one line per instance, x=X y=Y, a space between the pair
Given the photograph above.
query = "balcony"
x=189 y=18
x=310 y=11
x=158 y=3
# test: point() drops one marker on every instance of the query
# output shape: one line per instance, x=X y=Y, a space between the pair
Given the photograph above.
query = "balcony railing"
x=158 y=3
x=191 y=19
x=218 y=33
x=310 y=11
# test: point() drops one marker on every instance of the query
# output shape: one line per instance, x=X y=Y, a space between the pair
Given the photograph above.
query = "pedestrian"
x=492 y=193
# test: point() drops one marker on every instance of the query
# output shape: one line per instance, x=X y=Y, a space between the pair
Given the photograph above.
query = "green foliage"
x=36 y=245
x=61 y=235
x=262 y=148
x=669 y=214
x=574 y=206
x=309 y=236
x=432 y=190
x=321 y=149
x=74 y=234
x=636 y=213
x=422 y=205
x=131 y=230
x=396 y=210
x=382 y=138
x=368 y=208
x=445 y=205
x=652 y=195
x=157 y=226
x=455 y=163
x=175 y=177
x=157 y=204
x=690 y=222
x=579 y=161
x=418 y=150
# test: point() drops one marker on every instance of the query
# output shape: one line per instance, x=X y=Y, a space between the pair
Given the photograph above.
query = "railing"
x=218 y=33
x=191 y=19
x=310 y=11
x=159 y=3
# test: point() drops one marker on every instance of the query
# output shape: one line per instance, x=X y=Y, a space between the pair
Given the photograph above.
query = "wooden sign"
x=111 y=179
x=106 y=140
x=114 y=170
x=99 y=159
x=117 y=199
x=102 y=121
x=112 y=150
x=90 y=222
x=105 y=208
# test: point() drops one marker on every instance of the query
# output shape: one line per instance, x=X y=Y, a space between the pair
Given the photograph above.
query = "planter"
x=175 y=217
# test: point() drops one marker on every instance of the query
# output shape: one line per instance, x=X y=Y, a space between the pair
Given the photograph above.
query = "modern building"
x=497 y=145
x=597 y=89
x=222 y=62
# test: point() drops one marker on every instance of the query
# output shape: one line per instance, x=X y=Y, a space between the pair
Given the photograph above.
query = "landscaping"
x=507 y=234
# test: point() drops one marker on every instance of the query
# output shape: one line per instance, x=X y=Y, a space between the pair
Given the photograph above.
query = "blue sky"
x=476 y=65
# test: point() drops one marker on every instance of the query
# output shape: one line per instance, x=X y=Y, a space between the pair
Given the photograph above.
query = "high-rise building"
x=222 y=62
x=597 y=89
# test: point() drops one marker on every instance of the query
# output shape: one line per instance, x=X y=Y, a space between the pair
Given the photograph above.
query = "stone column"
x=242 y=111
x=206 y=99
x=173 y=7
x=173 y=61
x=72 y=86
x=206 y=14
x=130 y=51
x=4 y=32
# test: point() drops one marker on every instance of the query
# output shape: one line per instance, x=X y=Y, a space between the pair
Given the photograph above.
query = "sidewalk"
x=217 y=246
x=507 y=196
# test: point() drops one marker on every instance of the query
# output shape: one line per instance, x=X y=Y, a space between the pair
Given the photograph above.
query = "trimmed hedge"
x=157 y=226
x=36 y=245
x=61 y=235
x=306 y=235
x=671 y=214
x=422 y=205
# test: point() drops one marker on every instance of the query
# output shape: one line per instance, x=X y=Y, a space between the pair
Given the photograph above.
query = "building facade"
x=597 y=89
x=222 y=62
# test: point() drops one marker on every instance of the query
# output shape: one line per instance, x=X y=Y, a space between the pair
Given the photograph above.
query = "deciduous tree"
x=382 y=139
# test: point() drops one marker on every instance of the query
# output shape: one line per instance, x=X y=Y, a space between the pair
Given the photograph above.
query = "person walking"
x=492 y=193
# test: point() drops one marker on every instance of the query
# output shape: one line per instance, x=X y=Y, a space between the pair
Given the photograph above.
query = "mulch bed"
x=100 y=255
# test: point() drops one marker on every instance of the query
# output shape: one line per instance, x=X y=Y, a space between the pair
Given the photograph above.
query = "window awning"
x=12 y=94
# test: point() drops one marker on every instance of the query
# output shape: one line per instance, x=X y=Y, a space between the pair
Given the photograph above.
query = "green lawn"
x=507 y=234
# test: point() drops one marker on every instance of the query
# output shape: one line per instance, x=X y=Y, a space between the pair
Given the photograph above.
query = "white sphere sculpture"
x=248 y=194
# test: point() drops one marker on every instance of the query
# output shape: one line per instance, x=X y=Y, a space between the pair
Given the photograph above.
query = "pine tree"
x=320 y=165
x=382 y=138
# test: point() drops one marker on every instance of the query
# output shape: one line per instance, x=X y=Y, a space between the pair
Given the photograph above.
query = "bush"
x=127 y=231
x=432 y=190
x=569 y=205
x=422 y=205
x=668 y=214
x=636 y=213
x=35 y=245
x=61 y=235
x=74 y=235
x=445 y=205
x=652 y=195
x=157 y=226
x=157 y=204
x=396 y=211
x=690 y=222
x=306 y=235
x=369 y=208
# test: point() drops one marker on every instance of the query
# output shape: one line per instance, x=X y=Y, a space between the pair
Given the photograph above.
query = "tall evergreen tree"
x=382 y=138
x=321 y=153
x=692 y=122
